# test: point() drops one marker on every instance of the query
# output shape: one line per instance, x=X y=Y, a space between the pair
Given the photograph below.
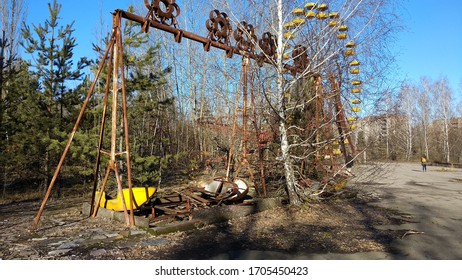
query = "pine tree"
x=22 y=153
x=6 y=74
x=52 y=46
x=150 y=106
x=12 y=12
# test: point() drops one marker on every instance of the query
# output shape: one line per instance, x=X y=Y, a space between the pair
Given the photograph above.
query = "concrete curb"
x=200 y=218
x=113 y=215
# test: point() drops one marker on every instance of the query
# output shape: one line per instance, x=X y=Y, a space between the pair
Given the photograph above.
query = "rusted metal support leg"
x=101 y=134
x=121 y=193
x=96 y=207
x=233 y=136
x=125 y=119
x=257 y=136
x=71 y=137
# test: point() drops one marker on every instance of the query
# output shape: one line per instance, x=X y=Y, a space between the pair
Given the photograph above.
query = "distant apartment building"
x=456 y=123
x=377 y=136
x=390 y=137
x=455 y=139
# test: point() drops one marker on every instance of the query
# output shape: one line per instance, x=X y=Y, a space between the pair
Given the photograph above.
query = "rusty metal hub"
x=245 y=37
x=163 y=11
x=268 y=46
x=219 y=27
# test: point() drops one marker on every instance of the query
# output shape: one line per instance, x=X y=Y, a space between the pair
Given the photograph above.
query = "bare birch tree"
x=442 y=94
x=12 y=13
x=370 y=24
x=407 y=97
x=424 y=110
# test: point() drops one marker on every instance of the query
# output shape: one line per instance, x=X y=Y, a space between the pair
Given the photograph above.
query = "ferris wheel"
x=317 y=39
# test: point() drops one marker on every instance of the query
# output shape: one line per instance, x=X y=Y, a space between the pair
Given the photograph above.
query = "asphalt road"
x=430 y=202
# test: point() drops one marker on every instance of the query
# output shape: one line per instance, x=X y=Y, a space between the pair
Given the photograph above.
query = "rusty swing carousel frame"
x=162 y=15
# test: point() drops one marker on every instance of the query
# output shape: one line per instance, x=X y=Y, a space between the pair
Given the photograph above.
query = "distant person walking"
x=423 y=160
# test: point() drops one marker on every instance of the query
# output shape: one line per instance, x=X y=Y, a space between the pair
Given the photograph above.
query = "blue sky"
x=87 y=15
x=431 y=46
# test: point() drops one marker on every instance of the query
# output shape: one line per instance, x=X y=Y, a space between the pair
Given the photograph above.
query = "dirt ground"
x=344 y=225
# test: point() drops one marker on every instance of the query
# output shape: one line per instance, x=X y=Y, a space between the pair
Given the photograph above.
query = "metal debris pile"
x=179 y=204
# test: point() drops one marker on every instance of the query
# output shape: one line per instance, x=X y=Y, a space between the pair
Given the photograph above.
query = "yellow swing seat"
x=141 y=195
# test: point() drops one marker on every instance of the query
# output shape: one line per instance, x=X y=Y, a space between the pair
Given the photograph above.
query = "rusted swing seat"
x=141 y=195
x=222 y=189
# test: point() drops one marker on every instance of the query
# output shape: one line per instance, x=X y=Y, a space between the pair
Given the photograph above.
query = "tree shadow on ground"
x=289 y=233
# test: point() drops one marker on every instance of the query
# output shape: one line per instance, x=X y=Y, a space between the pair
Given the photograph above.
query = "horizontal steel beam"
x=207 y=43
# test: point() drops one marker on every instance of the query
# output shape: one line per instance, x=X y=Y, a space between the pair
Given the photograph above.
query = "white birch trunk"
x=424 y=104
x=287 y=160
x=444 y=99
x=446 y=140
